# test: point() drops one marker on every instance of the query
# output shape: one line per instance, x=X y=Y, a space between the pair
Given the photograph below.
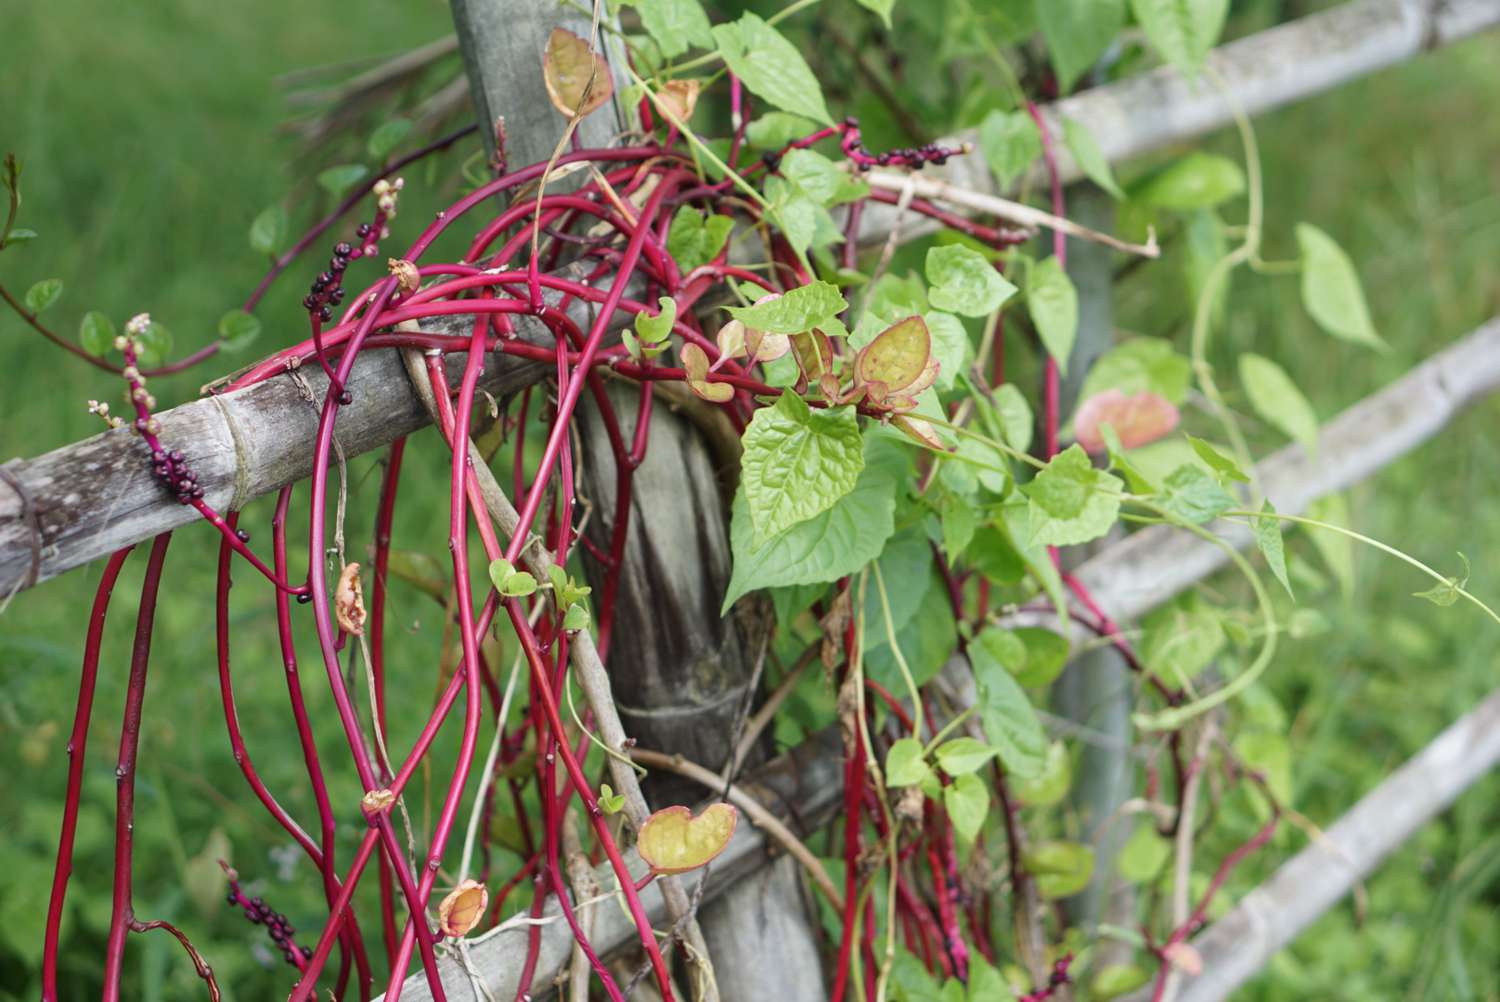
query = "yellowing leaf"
x=673 y=841
x=462 y=909
x=695 y=362
x=577 y=78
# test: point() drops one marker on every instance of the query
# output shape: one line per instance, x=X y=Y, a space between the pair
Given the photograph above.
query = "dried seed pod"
x=349 y=602
x=462 y=909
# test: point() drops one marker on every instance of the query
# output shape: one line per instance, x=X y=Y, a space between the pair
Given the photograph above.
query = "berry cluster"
x=1055 y=981
x=328 y=288
x=173 y=472
x=260 y=913
x=914 y=157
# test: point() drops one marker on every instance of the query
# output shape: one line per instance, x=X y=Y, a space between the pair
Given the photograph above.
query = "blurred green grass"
x=150 y=136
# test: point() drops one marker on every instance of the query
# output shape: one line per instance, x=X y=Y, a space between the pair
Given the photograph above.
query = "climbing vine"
x=903 y=505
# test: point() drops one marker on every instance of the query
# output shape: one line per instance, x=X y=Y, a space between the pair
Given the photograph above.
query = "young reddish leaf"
x=349 y=602
x=1138 y=419
x=814 y=353
x=673 y=841
x=763 y=347
x=731 y=341
x=897 y=356
x=695 y=361
x=760 y=345
x=577 y=78
x=462 y=909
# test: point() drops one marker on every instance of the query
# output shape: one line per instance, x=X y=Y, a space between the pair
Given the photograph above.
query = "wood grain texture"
x=502 y=42
x=96 y=496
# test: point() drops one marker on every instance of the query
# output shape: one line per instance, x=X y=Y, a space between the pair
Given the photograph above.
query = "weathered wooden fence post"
x=1096 y=689
x=680 y=673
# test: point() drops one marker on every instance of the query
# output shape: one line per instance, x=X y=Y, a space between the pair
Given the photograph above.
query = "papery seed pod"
x=406 y=274
x=462 y=909
x=349 y=602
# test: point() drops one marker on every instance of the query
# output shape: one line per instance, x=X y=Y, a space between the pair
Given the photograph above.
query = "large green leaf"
x=964 y=281
x=904 y=564
x=967 y=801
x=1010 y=721
x=1140 y=365
x=950 y=346
x=1197 y=181
x=1085 y=149
x=1331 y=291
x=798 y=462
x=1183 y=31
x=1077 y=33
x=794 y=311
x=828 y=546
x=1278 y=401
x=1195 y=496
x=1053 y=304
x=1071 y=502
x=694 y=239
x=771 y=67
x=675 y=25
x=926 y=641
x=905 y=763
x=1010 y=143
x=1061 y=868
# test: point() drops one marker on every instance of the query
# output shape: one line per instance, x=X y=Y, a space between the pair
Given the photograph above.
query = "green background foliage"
x=151 y=141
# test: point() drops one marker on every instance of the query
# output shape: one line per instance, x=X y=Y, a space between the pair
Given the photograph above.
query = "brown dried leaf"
x=1138 y=420
x=673 y=841
x=833 y=624
x=349 y=602
x=462 y=909
x=406 y=274
x=680 y=97
x=577 y=78
x=377 y=801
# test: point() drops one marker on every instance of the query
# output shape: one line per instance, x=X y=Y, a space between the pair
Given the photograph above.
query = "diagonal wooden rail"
x=63 y=509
